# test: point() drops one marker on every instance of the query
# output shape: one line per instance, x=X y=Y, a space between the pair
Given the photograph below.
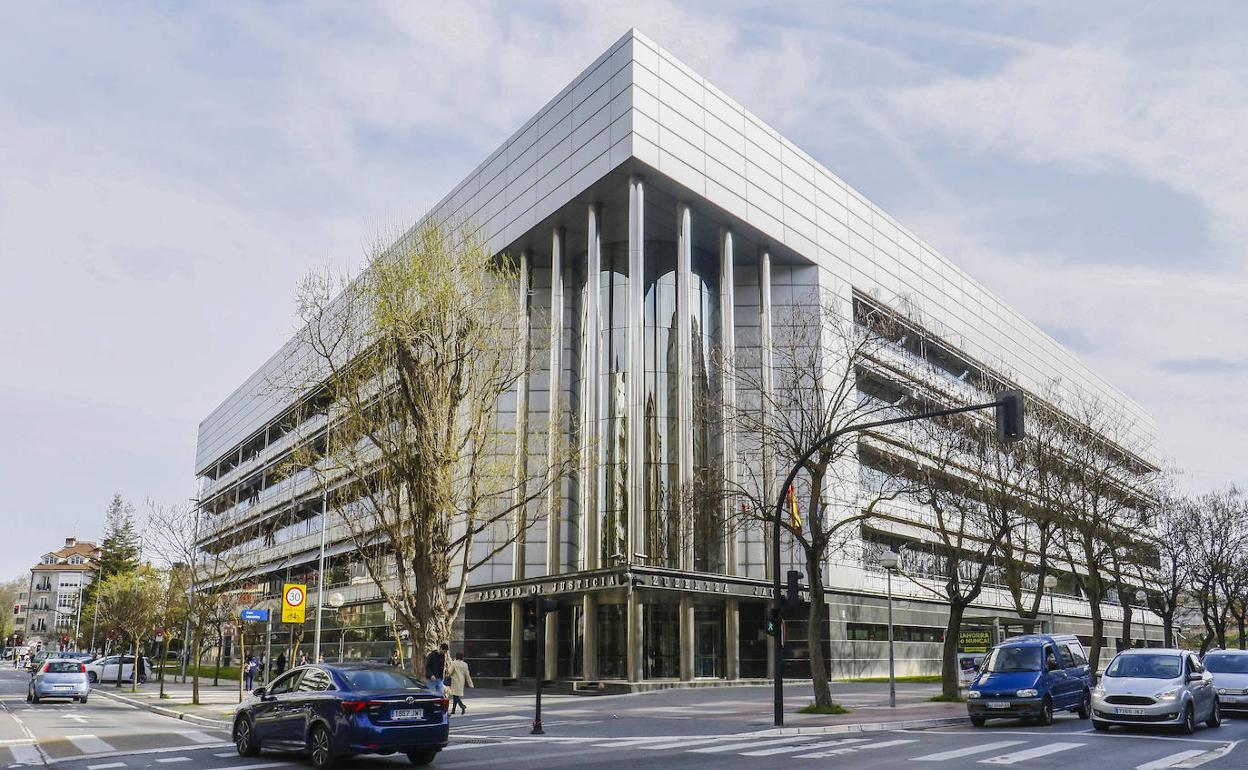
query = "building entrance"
x=661 y=632
x=708 y=639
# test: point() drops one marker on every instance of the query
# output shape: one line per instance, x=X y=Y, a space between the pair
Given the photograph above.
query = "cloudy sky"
x=168 y=172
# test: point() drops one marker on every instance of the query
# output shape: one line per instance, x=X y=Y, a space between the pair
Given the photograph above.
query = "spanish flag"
x=795 y=515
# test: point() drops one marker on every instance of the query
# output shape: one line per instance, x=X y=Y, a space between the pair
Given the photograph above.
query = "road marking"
x=500 y=718
x=106 y=765
x=199 y=736
x=753 y=744
x=1170 y=761
x=79 y=718
x=966 y=752
x=1209 y=756
x=694 y=742
x=27 y=754
x=133 y=752
x=226 y=754
x=170 y=760
x=619 y=743
x=1039 y=751
x=856 y=749
x=806 y=747
x=88 y=744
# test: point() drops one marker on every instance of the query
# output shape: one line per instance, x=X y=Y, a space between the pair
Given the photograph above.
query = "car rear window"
x=1227 y=664
x=64 y=667
x=380 y=679
x=1146 y=666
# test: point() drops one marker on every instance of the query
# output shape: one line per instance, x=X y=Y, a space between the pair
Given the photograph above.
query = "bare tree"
x=809 y=391
x=1218 y=535
x=1167 y=576
x=413 y=363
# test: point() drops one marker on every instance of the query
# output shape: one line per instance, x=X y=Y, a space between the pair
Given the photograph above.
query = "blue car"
x=332 y=712
x=1031 y=677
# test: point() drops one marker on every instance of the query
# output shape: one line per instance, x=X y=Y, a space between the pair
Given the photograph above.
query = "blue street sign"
x=255 y=614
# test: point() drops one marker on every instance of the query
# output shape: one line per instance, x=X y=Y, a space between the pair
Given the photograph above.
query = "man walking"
x=435 y=668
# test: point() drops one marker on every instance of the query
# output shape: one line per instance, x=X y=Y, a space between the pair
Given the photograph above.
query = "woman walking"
x=457 y=678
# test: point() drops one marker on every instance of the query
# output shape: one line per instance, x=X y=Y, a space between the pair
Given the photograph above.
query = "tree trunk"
x=1126 y=619
x=1167 y=630
x=814 y=635
x=949 y=672
x=194 y=669
x=1098 y=634
x=164 y=657
x=1239 y=621
x=216 y=674
x=134 y=670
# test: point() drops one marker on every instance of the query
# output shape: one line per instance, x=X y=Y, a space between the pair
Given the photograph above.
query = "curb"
x=166 y=711
x=864 y=727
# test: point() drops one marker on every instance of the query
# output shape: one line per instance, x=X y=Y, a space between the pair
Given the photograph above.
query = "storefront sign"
x=616 y=580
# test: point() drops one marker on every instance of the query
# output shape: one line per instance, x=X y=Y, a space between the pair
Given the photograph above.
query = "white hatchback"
x=1230 y=676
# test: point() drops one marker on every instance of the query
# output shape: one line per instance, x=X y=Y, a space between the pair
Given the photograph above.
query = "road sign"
x=294 y=596
x=260 y=615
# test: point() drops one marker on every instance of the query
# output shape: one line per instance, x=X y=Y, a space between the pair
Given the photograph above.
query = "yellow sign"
x=294 y=597
x=974 y=640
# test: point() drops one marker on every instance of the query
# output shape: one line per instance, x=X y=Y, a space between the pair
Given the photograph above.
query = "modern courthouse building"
x=656 y=221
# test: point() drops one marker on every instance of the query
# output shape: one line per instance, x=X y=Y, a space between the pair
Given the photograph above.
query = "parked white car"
x=105 y=669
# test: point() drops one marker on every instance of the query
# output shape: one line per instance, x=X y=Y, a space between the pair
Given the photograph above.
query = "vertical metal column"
x=775 y=666
x=590 y=386
x=636 y=414
x=555 y=436
x=728 y=350
x=684 y=377
x=520 y=516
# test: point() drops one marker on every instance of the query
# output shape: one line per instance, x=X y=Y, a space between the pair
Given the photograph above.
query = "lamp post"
x=1142 y=598
x=1050 y=582
x=889 y=560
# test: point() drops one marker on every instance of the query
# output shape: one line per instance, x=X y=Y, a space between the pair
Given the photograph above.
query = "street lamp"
x=889 y=560
x=1142 y=598
x=1050 y=582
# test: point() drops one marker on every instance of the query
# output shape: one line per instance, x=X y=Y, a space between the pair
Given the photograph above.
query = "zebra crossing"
x=76 y=745
x=902 y=748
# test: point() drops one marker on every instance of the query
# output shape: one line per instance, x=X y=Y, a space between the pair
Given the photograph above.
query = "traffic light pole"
x=1006 y=401
x=539 y=650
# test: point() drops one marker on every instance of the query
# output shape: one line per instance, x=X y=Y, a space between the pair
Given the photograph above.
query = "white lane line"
x=1015 y=757
x=1209 y=756
x=106 y=766
x=26 y=755
x=199 y=736
x=133 y=752
x=500 y=718
x=966 y=752
x=170 y=760
x=806 y=747
x=260 y=767
x=754 y=744
x=692 y=742
x=1170 y=761
x=225 y=754
x=88 y=744
x=619 y=743
x=856 y=749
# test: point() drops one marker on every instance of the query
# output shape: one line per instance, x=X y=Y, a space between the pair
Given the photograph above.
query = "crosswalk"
x=162 y=750
x=901 y=748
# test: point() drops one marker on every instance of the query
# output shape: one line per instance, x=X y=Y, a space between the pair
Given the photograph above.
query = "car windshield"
x=64 y=667
x=1227 y=664
x=1004 y=659
x=1145 y=666
x=380 y=679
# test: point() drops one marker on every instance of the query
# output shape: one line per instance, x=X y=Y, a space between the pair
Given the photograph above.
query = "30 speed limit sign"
x=294 y=597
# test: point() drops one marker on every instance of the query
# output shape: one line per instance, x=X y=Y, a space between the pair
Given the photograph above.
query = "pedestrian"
x=457 y=678
x=281 y=662
x=435 y=668
x=249 y=672
x=394 y=658
x=303 y=659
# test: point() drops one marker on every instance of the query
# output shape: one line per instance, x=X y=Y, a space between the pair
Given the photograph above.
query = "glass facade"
x=613 y=406
x=661 y=393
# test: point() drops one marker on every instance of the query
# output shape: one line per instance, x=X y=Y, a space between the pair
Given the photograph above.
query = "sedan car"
x=105 y=669
x=1230 y=677
x=336 y=711
x=58 y=678
x=1159 y=687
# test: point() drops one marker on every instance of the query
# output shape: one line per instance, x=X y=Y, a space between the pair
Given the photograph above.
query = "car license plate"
x=998 y=704
x=1129 y=712
x=398 y=714
x=63 y=686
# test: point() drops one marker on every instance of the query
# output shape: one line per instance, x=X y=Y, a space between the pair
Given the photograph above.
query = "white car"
x=105 y=669
x=1157 y=687
x=1230 y=676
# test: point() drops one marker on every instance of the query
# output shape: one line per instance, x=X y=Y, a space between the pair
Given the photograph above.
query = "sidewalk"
x=216 y=704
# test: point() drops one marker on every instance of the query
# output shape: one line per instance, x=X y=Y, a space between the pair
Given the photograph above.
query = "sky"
x=168 y=172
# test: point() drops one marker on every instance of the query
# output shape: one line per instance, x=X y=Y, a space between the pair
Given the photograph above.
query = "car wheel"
x=245 y=738
x=978 y=721
x=92 y=678
x=1100 y=726
x=1189 y=720
x=1085 y=706
x=320 y=748
x=1215 y=715
x=1046 y=712
x=83 y=699
x=421 y=758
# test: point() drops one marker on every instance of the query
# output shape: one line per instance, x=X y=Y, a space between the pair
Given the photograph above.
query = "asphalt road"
x=686 y=728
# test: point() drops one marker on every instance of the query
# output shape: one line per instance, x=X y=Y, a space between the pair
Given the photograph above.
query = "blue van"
x=1031 y=677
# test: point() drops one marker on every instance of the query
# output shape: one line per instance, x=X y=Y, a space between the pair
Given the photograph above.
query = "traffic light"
x=1010 y=415
x=793 y=591
x=773 y=621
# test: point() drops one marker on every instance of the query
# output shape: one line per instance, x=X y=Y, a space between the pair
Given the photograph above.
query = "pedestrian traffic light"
x=773 y=621
x=1010 y=415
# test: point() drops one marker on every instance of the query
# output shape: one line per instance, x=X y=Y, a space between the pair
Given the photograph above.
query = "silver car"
x=1230 y=677
x=58 y=678
x=1156 y=687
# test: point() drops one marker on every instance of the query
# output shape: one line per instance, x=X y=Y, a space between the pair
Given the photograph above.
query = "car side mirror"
x=1193 y=676
x=258 y=692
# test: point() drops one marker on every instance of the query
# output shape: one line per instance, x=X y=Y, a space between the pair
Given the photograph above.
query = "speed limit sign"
x=294 y=596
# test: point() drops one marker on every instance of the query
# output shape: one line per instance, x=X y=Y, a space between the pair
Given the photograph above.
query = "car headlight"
x=972 y=694
x=1028 y=693
x=1169 y=694
x=1098 y=692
